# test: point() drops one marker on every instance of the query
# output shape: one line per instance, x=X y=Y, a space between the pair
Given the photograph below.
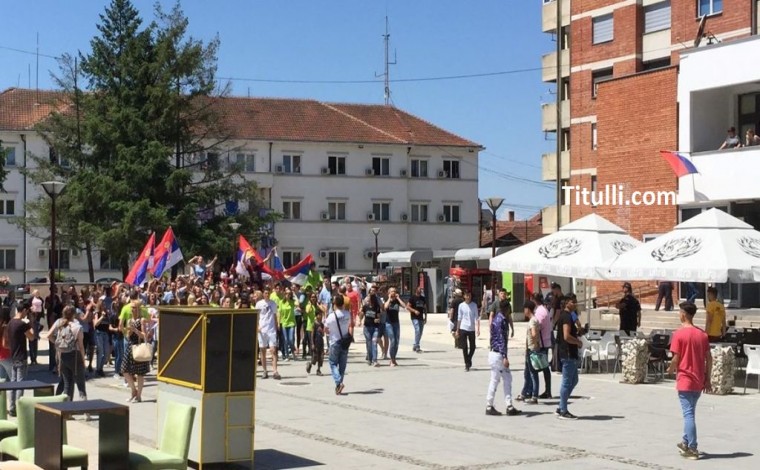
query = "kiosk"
x=207 y=359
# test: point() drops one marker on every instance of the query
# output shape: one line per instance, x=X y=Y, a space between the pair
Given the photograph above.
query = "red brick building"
x=618 y=93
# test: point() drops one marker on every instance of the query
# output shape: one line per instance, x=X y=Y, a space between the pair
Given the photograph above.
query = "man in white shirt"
x=268 y=327
x=468 y=326
x=339 y=326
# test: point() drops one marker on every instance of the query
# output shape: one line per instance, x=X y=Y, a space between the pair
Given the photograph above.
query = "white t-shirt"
x=332 y=324
x=267 y=315
x=467 y=315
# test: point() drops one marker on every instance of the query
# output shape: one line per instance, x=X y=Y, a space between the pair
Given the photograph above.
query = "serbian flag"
x=299 y=273
x=681 y=165
x=167 y=254
x=279 y=269
x=143 y=263
x=248 y=256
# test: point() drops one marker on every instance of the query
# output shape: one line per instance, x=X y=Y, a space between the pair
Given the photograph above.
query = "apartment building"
x=334 y=171
x=640 y=76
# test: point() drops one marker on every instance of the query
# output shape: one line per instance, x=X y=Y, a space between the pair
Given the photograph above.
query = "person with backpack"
x=68 y=337
x=18 y=332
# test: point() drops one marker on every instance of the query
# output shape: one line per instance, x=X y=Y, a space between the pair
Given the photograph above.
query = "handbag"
x=538 y=360
x=344 y=341
x=142 y=352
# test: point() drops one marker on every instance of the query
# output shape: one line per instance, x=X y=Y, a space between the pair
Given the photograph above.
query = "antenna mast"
x=386 y=74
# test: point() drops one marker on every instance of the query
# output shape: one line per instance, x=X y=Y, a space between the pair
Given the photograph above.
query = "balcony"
x=549 y=218
x=549 y=166
x=549 y=66
x=549 y=15
x=724 y=175
x=549 y=116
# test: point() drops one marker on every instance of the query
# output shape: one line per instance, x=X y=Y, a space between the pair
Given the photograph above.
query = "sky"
x=331 y=40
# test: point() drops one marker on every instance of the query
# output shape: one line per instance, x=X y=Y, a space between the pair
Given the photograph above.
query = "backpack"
x=66 y=339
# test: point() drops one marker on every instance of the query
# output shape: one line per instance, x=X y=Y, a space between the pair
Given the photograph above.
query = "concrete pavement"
x=429 y=413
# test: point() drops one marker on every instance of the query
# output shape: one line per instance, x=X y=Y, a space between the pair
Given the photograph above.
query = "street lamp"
x=494 y=203
x=53 y=189
x=376 y=232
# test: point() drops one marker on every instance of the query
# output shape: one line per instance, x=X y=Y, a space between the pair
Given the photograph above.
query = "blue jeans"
x=689 y=407
x=569 y=381
x=370 y=338
x=530 y=379
x=692 y=291
x=6 y=369
x=289 y=339
x=419 y=326
x=101 y=343
x=338 y=359
x=18 y=374
x=118 y=349
x=393 y=330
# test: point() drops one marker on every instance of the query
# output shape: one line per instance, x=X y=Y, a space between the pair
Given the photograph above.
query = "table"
x=41 y=389
x=113 y=438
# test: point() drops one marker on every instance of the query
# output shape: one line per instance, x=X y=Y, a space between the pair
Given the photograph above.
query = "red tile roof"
x=514 y=229
x=297 y=120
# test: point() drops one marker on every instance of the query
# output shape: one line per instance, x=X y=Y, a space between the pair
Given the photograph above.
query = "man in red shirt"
x=354 y=300
x=692 y=363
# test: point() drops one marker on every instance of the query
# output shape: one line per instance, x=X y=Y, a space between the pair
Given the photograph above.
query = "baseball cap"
x=627 y=285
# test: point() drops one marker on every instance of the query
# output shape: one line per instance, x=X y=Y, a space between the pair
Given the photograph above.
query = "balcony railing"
x=724 y=175
x=549 y=116
x=549 y=166
x=549 y=15
x=549 y=66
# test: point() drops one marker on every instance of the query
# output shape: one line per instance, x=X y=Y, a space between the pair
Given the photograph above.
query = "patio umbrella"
x=584 y=249
x=711 y=247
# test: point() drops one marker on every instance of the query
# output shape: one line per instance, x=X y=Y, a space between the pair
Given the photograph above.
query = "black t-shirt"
x=566 y=350
x=371 y=313
x=455 y=308
x=17 y=337
x=556 y=303
x=419 y=303
x=392 y=311
x=113 y=320
x=103 y=325
x=629 y=309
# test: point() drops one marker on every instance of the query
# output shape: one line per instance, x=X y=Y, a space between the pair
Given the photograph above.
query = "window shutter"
x=657 y=17
x=603 y=28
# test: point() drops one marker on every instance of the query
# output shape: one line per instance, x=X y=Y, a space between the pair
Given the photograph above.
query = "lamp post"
x=234 y=226
x=494 y=203
x=376 y=232
x=53 y=189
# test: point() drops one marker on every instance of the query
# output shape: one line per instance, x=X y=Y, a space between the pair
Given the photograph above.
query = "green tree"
x=142 y=143
x=3 y=171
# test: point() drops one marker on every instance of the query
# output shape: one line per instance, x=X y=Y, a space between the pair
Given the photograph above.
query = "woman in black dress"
x=135 y=332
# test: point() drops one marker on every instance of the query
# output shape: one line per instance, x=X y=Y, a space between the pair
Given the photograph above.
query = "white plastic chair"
x=587 y=351
x=753 y=364
x=607 y=349
x=594 y=335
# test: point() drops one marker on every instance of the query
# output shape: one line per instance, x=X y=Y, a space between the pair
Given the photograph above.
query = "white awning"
x=405 y=258
x=441 y=254
x=475 y=254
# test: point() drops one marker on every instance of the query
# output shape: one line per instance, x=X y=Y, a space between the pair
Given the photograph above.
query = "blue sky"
x=342 y=40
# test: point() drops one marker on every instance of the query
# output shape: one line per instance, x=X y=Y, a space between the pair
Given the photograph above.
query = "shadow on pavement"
x=599 y=418
x=270 y=459
x=374 y=391
x=732 y=455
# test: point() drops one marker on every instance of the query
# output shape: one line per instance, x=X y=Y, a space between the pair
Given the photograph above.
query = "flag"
x=681 y=165
x=299 y=273
x=246 y=253
x=167 y=254
x=143 y=263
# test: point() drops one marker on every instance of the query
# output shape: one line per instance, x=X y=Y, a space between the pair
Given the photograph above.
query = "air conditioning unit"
x=441 y=218
x=404 y=217
x=324 y=215
x=325 y=170
x=369 y=172
x=323 y=254
x=369 y=254
x=370 y=216
x=297 y=169
x=442 y=174
x=404 y=172
x=278 y=169
x=42 y=252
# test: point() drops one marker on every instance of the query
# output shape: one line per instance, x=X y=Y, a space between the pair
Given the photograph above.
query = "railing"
x=639 y=292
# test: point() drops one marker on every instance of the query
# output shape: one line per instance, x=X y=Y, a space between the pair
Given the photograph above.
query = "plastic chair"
x=594 y=335
x=607 y=349
x=587 y=351
x=7 y=428
x=175 y=442
x=21 y=446
x=753 y=364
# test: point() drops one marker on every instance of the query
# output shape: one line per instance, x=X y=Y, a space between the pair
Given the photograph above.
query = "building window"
x=710 y=7
x=246 y=162
x=419 y=168
x=603 y=27
x=8 y=259
x=108 y=262
x=291 y=164
x=451 y=213
x=657 y=17
x=565 y=38
x=381 y=166
x=594 y=186
x=337 y=210
x=382 y=211
x=597 y=77
x=10 y=154
x=7 y=207
x=451 y=168
x=291 y=210
x=565 y=89
x=419 y=212
x=210 y=164
x=290 y=258
x=565 y=143
x=593 y=136
x=656 y=64
x=63 y=259
x=336 y=260
x=336 y=165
